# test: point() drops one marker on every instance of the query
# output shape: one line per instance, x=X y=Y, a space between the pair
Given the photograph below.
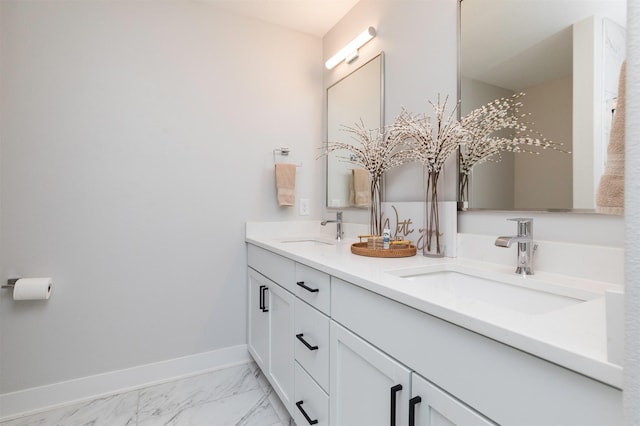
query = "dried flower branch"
x=482 y=143
x=427 y=144
x=377 y=151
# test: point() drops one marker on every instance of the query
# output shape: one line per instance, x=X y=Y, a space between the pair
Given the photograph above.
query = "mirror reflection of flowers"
x=483 y=140
x=377 y=151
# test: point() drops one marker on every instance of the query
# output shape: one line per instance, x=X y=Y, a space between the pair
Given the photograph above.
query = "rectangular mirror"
x=565 y=55
x=356 y=98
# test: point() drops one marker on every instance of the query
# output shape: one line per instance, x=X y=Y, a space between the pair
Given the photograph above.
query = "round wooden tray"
x=361 y=249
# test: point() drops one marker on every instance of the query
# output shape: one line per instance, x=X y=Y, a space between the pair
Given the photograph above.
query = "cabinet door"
x=367 y=387
x=281 y=340
x=258 y=333
x=430 y=406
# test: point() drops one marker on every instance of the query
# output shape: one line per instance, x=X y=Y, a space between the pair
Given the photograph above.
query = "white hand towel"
x=286 y=183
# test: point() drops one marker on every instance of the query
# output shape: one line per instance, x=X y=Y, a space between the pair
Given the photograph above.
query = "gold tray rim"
x=361 y=249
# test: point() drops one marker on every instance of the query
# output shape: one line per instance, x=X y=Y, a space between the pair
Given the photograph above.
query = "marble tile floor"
x=237 y=395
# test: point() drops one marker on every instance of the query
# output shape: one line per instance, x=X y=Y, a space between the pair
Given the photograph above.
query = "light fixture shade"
x=349 y=49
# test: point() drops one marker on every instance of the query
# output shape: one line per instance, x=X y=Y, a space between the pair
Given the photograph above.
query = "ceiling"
x=315 y=17
x=519 y=43
x=503 y=41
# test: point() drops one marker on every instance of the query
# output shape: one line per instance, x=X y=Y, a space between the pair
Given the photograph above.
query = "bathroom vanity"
x=349 y=340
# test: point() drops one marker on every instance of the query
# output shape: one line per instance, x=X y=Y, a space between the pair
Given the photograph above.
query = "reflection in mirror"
x=566 y=56
x=356 y=98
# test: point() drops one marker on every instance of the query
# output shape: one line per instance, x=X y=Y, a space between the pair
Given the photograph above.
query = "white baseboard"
x=36 y=399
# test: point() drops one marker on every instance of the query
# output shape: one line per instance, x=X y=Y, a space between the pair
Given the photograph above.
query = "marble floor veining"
x=237 y=395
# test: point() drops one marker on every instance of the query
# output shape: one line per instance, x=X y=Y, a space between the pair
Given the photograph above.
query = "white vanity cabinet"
x=271 y=312
x=431 y=406
x=288 y=334
x=341 y=355
x=258 y=332
x=313 y=291
x=367 y=386
x=493 y=380
x=312 y=403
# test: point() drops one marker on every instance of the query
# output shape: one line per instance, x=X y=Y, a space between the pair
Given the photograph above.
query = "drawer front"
x=311 y=334
x=313 y=287
x=311 y=402
x=273 y=266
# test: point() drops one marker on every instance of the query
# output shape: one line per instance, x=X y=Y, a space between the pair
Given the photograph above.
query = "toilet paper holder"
x=11 y=283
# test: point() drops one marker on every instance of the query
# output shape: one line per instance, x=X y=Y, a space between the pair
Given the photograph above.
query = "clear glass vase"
x=463 y=193
x=375 y=206
x=432 y=240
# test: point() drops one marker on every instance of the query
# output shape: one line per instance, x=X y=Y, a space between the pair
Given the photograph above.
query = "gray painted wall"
x=137 y=139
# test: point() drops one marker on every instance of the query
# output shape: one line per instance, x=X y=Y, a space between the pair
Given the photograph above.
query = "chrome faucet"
x=526 y=247
x=338 y=222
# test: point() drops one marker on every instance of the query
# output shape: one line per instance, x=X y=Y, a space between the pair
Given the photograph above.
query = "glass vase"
x=432 y=241
x=463 y=195
x=375 y=206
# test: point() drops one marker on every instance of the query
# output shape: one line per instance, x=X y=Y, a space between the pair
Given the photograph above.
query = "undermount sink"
x=514 y=293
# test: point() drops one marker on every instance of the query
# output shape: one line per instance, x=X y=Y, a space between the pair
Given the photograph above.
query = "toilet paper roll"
x=32 y=289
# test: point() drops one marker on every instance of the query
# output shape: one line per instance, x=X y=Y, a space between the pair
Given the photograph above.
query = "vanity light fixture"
x=350 y=52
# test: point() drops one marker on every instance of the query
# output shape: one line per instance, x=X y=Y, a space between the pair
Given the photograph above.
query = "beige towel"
x=286 y=183
x=359 y=194
x=610 y=195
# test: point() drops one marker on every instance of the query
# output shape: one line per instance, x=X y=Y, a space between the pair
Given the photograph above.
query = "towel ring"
x=283 y=152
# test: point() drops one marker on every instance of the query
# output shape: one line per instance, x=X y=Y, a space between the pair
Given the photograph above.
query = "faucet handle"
x=521 y=219
x=525 y=225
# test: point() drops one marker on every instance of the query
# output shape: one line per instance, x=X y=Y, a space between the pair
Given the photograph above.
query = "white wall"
x=419 y=41
x=1 y=236
x=586 y=121
x=631 y=382
x=137 y=138
x=598 y=53
x=547 y=179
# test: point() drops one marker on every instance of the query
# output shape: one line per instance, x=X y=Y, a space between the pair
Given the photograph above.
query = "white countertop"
x=573 y=337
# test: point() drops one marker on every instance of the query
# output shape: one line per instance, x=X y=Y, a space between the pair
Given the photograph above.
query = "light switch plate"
x=303 y=207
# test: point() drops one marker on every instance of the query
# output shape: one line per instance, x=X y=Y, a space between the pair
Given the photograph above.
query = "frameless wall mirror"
x=356 y=98
x=565 y=55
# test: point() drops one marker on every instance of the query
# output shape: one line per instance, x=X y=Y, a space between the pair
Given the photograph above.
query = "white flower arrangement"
x=430 y=144
x=415 y=138
x=378 y=151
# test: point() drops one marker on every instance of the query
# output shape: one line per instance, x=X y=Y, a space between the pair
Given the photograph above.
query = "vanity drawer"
x=311 y=330
x=273 y=266
x=314 y=287
x=312 y=403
